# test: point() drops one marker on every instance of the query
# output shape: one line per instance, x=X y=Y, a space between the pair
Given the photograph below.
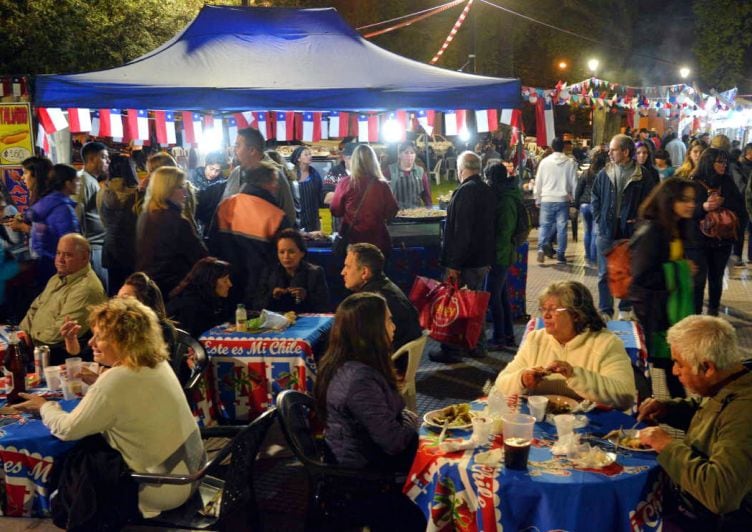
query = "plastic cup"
x=482 y=429
x=564 y=424
x=497 y=404
x=537 y=405
x=73 y=367
x=52 y=377
x=68 y=392
x=518 y=434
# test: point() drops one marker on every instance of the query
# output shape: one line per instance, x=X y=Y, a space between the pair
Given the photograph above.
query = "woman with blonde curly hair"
x=365 y=201
x=120 y=405
x=167 y=245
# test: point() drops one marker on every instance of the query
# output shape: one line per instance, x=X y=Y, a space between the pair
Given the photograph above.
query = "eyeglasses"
x=543 y=311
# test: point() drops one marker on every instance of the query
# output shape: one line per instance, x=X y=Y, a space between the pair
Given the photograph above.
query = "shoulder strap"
x=362 y=200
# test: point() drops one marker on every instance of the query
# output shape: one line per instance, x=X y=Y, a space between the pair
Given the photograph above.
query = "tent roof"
x=235 y=58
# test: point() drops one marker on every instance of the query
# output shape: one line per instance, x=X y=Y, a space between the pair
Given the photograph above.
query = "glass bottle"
x=241 y=318
x=15 y=370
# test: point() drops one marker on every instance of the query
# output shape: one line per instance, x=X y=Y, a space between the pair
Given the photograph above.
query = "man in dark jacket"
x=468 y=248
x=363 y=272
x=618 y=191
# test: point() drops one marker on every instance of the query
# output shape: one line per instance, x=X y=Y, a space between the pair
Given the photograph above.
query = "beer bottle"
x=15 y=369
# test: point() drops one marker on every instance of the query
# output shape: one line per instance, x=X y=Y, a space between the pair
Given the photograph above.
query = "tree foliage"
x=61 y=36
x=724 y=38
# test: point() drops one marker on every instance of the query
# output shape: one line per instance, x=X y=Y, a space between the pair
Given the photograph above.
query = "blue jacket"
x=603 y=200
x=52 y=216
x=363 y=422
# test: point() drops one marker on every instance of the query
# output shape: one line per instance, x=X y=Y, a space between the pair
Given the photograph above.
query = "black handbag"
x=341 y=239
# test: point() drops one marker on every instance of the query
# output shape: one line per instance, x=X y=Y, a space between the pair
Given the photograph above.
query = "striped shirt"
x=311 y=198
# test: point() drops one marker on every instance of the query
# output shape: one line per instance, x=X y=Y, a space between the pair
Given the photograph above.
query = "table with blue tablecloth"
x=27 y=453
x=246 y=371
x=456 y=493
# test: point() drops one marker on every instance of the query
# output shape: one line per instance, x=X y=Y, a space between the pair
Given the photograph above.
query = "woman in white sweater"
x=574 y=355
x=138 y=405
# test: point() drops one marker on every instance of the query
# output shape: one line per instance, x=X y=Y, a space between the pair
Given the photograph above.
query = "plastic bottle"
x=241 y=318
x=15 y=369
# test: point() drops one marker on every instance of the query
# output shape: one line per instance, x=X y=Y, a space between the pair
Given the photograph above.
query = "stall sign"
x=16 y=142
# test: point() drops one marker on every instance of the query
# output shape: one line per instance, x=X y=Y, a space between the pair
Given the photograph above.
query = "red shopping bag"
x=453 y=315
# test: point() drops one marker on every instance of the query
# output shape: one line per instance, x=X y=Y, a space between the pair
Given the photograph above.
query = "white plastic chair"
x=413 y=350
x=436 y=172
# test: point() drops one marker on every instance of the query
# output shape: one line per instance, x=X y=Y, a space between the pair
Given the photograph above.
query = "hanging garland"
x=452 y=33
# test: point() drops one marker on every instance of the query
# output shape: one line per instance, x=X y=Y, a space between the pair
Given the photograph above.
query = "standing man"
x=676 y=149
x=469 y=247
x=249 y=149
x=95 y=171
x=555 y=183
x=618 y=191
x=710 y=467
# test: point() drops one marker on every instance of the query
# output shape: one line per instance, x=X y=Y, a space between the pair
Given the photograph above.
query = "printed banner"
x=16 y=142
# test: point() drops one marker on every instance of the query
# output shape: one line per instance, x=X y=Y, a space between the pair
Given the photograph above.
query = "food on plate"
x=558 y=405
x=595 y=458
x=421 y=212
x=628 y=439
x=291 y=316
x=453 y=416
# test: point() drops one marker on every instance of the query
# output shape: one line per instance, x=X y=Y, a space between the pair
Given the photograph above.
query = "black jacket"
x=732 y=200
x=308 y=276
x=195 y=313
x=404 y=315
x=167 y=247
x=470 y=225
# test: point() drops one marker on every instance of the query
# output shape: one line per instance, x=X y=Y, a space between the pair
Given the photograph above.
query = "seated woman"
x=574 y=355
x=127 y=338
x=293 y=283
x=199 y=302
x=366 y=423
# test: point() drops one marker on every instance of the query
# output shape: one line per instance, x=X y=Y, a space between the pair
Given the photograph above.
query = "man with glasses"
x=618 y=191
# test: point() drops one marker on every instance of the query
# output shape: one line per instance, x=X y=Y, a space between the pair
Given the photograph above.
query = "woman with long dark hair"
x=199 y=302
x=662 y=287
x=310 y=188
x=366 y=424
x=715 y=190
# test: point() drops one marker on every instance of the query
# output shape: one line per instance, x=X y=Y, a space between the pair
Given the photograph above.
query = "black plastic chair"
x=332 y=488
x=238 y=509
x=184 y=344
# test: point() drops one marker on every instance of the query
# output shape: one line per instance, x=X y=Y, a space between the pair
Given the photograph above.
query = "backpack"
x=523 y=225
x=619 y=268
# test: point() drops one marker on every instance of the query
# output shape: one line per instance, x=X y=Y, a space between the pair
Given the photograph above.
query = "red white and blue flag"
x=164 y=122
x=486 y=120
x=285 y=125
x=79 y=119
x=311 y=127
x=192 y=128
x=110 y=123
x=263 y=124
x=232 y=130
x=338 y=125
x=138 y=124
x=426 y=120
x=544 y=122
x=52 y=119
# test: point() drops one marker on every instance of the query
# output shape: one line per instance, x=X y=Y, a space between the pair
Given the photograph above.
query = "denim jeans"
x=501 y=310
x=591 y=252
x=605 y=299
x=96 y=265
x=554 y=213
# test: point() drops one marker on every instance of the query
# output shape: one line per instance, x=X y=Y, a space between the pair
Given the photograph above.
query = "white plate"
x=631 y=433
x=608 y=459
x=429 y=419
x=561 y=400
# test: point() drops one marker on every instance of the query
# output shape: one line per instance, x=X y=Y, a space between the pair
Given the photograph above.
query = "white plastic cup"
x=497 y=404
x=537 y=405
x=73 y=367
x=518 y=435
x=52 y=377
x=68 y=392
x=564 y=424
x=482 y=429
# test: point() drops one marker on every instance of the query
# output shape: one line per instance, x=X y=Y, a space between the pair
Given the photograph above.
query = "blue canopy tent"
x=234 y=58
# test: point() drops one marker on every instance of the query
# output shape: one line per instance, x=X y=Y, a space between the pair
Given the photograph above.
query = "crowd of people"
x=181 y=252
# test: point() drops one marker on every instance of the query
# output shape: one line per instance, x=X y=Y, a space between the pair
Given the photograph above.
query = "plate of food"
x=420 y=214
x=560 y=404
x=457 y=416
x=628 y=440
x=595 y=458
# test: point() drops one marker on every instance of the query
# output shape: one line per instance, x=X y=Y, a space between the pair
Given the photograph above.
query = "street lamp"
x=593 y=64
x=563 y=65
x=684 y=72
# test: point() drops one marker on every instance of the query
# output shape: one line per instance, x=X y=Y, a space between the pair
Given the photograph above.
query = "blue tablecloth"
x=27 y=453
x=247 y=371
x=457 y=493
